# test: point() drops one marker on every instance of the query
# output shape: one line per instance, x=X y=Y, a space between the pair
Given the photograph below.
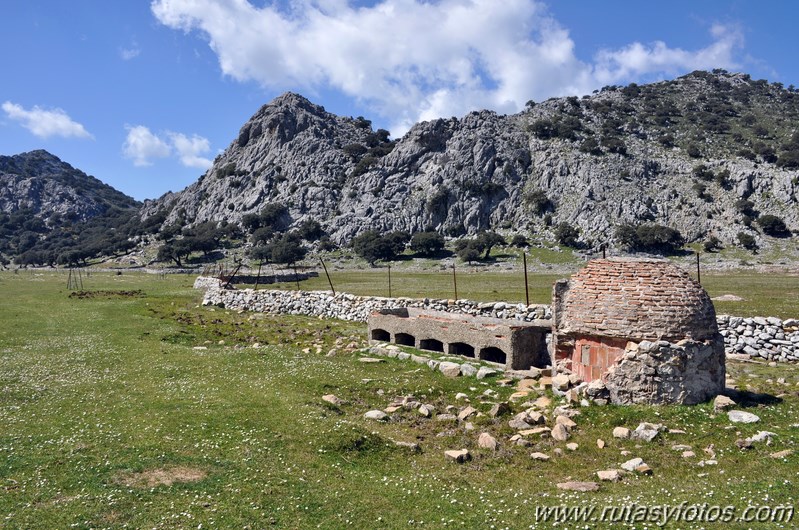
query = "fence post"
x=526 y=288
x=328 y=276
x=698 y=273
x=455 y=281
x=389 y=280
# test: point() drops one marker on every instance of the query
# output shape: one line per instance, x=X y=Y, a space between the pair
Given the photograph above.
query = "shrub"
x=427 y=243
x=371 y=246
x=773 y=226
x=538 y=201
x=747 y=241
x=567 y=235
x=649 y=238
x=693 y=151
x=470 y=251
x=287 y=249
x=488 y=240
x=310 y=230
x=712 y=244
x=519 y=241
x=398 y=240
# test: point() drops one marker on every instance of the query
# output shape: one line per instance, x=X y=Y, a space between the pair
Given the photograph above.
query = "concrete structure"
x=517 y=345
x=642 y=326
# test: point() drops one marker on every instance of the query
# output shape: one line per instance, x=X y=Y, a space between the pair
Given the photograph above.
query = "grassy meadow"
x=130 y=406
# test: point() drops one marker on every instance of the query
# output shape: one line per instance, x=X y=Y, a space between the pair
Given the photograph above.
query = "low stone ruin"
x=515 y=345
x=642 y=328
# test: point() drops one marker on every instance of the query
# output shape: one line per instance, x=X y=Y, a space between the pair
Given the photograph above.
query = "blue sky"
x=144 y=95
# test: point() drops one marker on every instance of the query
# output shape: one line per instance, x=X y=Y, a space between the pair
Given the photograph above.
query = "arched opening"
x=461 y=348
x=494 y=355
x=405 y=339
x=431 y=345
x=381 y=335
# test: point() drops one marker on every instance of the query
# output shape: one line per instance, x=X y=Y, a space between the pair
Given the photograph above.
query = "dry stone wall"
x=765 y=338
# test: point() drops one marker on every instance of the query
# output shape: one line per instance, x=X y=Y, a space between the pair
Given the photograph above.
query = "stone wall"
x=761 y=337
x=688 y=372
x=765 y=338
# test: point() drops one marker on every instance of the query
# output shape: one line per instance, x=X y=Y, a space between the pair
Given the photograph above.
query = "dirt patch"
x=161 y=477
x=82 y=295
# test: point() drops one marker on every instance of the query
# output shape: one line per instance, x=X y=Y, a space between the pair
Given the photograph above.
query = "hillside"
x=49 y=209
x=705 y=154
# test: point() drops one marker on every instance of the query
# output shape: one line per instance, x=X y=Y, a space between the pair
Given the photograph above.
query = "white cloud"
x=142 y=146
x=131 y=52
x=420 y=59
x=45 y=123
x=190 y=149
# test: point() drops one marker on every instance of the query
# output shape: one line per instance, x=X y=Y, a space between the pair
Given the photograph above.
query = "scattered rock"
x=782 y=454
x=458 y=455
x=600 y=443
x=486 y=441
x=378 y=415
x=468 y=370
x=762 y=436
x=621 y=432
x=631 y=465
x=740 y=416
x=370 y=360
x=561 y=382
x=578 y=486
x=499 y=409
x=560 y=433
x=610 y=475
x=450 y=369
x=743 y=444
x=646 y=432
x=722 y=403
x=333 y=400
x=566 y=422
x=540 y=456
x=409 y=445
x=688 y=454
x=466 y=413
x=485 y=372
x=425 y=410
x=572 y=446
x=461 y=396
x=446 y=417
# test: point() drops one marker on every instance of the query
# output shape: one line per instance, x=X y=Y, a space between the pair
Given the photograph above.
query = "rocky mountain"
x=50 y=189
x=706 y=154
x=47 y=208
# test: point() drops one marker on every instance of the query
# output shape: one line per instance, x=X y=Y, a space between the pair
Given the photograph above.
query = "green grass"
x=97 y=393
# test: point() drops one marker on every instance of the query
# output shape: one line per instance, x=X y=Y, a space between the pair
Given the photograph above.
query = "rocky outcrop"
x=50 y=189
x=629 y=155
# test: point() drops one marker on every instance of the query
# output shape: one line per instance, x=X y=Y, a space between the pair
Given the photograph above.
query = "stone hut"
x=643 y=327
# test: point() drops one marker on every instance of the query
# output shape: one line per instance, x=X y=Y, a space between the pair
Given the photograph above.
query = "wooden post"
x=389 y=280
x=603 y=251
x=526 y=288
x=296 y=277
x=698 y=273
x=455 y=282
x=328 y=276
x=259 y=275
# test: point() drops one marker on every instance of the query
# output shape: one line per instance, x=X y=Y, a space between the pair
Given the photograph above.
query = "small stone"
x=722 y=402
x=643 y=469
x=621 y=432
x=466 y=413
x=505 y=382
x=630 y=465
x=681 y=447
x=600 y=443
x=739 y=416
x=762 y=436
x=782 y=454
x=333 y=400
x=409 y=445
x=542 y=402
x=371 y=360
x=391 y=409
x=572 y=446
x=446 y=417
x=458 y=455
x=378 y=415
x=468 y=370
x=578 y=486
x=425 y=410
x=450 y=369
x=646 y=432
x=461 y=396
x=517 y=396
x=688 y=454
x=527 y=384
x=743 y=444
x=486 y=441
x=566 y=422
x=499 y=409
x=484 y=372
x=540 y=456
x=561 y=382
x=559 y=433
x=519 y=424
x=610 y=475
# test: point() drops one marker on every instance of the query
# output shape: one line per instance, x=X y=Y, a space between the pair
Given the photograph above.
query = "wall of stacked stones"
x=766 y=338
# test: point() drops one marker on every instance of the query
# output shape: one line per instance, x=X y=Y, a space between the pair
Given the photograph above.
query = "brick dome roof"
x=633 y=298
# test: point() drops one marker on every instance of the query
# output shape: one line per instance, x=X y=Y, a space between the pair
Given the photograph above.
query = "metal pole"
x=328 y=276
x=603 y=251
x=389 y=280
x=455 y=282
x=526 y=288
x=698 y=273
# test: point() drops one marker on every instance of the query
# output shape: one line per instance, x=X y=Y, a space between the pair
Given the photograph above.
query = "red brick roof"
x=633 y=298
